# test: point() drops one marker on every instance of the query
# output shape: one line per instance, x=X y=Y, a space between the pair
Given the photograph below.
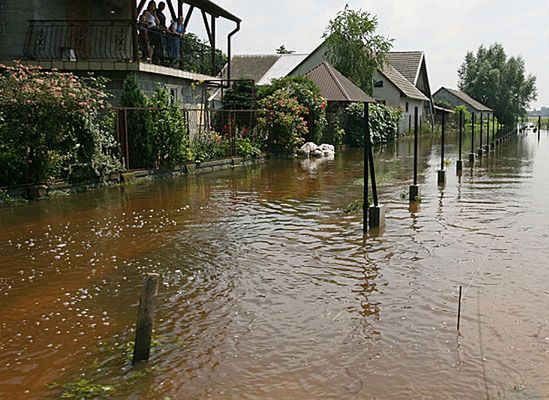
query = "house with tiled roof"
x=265 y=67
x=403 y=82
x=392 y=88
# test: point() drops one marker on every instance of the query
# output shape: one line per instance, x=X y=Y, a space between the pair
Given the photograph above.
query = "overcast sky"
x=444 y=30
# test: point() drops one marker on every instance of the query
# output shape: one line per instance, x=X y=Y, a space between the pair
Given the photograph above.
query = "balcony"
x=119 y=41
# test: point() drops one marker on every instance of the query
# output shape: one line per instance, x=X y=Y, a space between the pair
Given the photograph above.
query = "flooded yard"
x=270 y=291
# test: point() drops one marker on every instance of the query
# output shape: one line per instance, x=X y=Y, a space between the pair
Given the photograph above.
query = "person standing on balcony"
x=160 y=15
x=155 y=34
x=174 y=45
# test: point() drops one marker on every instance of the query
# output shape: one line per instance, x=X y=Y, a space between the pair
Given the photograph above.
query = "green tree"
x=498 y=81
x=283 y=50
x=353 y=46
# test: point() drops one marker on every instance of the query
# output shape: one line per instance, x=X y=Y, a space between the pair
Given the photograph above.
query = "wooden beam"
x=207 y=26
x=172 y=11
x=213 y=32
x=135 y=39
x=179 y=8
x=140 y=7
x=187 y=19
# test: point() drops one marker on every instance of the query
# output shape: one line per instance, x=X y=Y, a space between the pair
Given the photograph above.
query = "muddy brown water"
x=270 y=291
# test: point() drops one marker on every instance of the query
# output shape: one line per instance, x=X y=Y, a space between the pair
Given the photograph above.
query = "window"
x=378 y=84
x=407 y=107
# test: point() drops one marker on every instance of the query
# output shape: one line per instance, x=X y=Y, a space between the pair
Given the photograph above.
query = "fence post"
x=365 y=205
x=414 y=189
x=441 y=174
x=145 y=319
x=459 y=165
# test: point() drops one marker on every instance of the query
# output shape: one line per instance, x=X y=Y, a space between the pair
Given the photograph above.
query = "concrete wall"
x=389 y=93
x=406 y=124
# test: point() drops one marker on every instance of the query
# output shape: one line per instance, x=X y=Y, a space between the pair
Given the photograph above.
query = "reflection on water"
x=270 y=291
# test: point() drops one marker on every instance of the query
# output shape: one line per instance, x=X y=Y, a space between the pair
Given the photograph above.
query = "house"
x=413 y=66
x=392 y=88
x=102 y=37
x=404 y=84
x=458 y=98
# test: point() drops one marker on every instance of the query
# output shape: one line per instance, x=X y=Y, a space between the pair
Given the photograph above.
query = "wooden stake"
x=459 y=308
x=145 y=319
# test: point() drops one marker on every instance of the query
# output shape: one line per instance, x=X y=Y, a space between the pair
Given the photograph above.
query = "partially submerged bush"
x=383 y=123
x=283 y=120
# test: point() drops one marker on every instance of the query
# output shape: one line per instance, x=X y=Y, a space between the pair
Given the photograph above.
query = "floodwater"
x=270 y=291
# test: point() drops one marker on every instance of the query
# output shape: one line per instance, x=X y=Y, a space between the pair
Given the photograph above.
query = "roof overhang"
x=213 y=9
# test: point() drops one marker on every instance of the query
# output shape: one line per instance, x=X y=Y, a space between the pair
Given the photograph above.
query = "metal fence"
x=200 y=123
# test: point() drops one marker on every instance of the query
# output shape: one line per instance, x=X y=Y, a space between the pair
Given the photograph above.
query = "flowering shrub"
x=283 y=121
x=209 y=146
x=53 y=125
x=383 y=123
x=307 y=95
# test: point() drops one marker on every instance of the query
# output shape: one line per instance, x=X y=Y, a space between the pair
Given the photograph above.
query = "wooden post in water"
x=459 y=309
x=145 y=319
x=539 y=128
x=365 y=205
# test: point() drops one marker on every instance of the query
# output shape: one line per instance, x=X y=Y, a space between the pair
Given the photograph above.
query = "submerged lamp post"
x=472 y=153
x=441 y=174
x=459 y=165
x=414 y=189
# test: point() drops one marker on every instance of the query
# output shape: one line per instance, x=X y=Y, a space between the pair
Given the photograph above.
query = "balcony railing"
x=86 y=40
x=119 y=41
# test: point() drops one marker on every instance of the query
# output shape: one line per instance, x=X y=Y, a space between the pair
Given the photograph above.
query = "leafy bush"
x=54 y=125
x=383 y=123
x=209 y=146
x=168 y=130
x=307 y=95
x=157 y=132
x=283 y=121
x=246 y=148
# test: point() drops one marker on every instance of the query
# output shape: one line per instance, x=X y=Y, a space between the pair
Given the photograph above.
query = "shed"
x=458 y=98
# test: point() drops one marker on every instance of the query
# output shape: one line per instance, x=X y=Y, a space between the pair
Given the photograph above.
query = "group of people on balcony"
x=159 y=43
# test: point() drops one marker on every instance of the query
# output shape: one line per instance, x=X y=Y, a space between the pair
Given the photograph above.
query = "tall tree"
x=498 y=81
x=353 y=46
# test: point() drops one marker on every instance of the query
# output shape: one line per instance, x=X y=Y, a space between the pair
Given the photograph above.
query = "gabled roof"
x=251 y=66
x=404 y=85
x=408 y=63
x=477 y=105
x=334 y=86
x=263 y=68
x=282 y=67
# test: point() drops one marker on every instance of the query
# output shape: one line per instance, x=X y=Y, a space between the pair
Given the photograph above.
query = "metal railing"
x=119 y=40
x=81 y=40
